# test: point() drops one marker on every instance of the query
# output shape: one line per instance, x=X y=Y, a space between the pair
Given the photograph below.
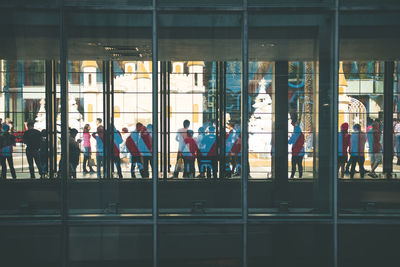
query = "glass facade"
x=199 y=133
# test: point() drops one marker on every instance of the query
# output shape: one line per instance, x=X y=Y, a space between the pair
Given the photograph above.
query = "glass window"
x=368 y=107
x=201 y=137
x=110 y=112
x=284 y=89
x=28 y=81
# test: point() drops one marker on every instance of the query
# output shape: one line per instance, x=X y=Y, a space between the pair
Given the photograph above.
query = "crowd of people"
x=137 y=146
x=354 y=143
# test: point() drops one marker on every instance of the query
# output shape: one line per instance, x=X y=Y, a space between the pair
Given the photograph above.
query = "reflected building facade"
x=200 y=133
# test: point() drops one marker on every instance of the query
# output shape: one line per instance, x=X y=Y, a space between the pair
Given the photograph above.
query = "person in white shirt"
x=180 y=137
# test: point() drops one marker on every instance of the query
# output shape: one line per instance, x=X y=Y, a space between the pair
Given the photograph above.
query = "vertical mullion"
x=64 y=136
x=50 y=113
x=388 y=119
x=335 y=127
x=164 y=119
x=54 y=124
x=155 y=131
x=244 y=129
x=104 y=120
x=161 y=102
x=112 y=125
x=281 y=108
x=168 y=129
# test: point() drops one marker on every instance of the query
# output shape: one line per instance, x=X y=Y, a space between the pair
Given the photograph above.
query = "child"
x=190 y=152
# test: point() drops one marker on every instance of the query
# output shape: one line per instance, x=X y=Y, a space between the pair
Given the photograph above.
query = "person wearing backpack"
x=6 y=152
x=32 y=139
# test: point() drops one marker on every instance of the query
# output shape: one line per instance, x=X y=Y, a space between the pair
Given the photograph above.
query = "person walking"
x=8 y=141
x=32 y=138
x=375 y=147
x=190 y=152
x=200 y=142
x=99 y=136
x=180 y=137
x=343 y=147
x=116 y=151
x=297 y=142
x=132 y=145
x=357 y=146
x=208 y=150
x=145 y=146
x=87 y=149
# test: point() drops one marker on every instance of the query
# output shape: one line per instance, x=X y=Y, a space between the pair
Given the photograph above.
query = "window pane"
x=201 y=138
x=110 y=86
x=25 y=105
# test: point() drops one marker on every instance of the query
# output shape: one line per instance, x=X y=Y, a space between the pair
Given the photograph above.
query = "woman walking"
x=87 y=149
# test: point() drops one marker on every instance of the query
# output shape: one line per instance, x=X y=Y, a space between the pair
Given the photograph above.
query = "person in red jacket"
x=190 y=152
x=343 y=147
x=132 y=146
x=297 y=142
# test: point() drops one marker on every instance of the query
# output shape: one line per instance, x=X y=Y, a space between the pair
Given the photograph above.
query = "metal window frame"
x=156 y=221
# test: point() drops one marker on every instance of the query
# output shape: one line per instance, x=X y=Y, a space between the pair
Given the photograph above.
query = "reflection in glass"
x=360 y=121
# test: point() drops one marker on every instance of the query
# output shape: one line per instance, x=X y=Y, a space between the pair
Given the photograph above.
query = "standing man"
x=32 y=139
x=180 y=137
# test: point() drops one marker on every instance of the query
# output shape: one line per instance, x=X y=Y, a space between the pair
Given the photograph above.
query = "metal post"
x=334 y=172
x=111 y=114
x=168 y=129
x=244 y=129
x=162 y=121
x=281 y=131
x=155 y=132
x=50 y=114
x=165 y=118
x=218 y=119
x=327 y=116
x=104 y=120
x=64 y=136
x=388 y=119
